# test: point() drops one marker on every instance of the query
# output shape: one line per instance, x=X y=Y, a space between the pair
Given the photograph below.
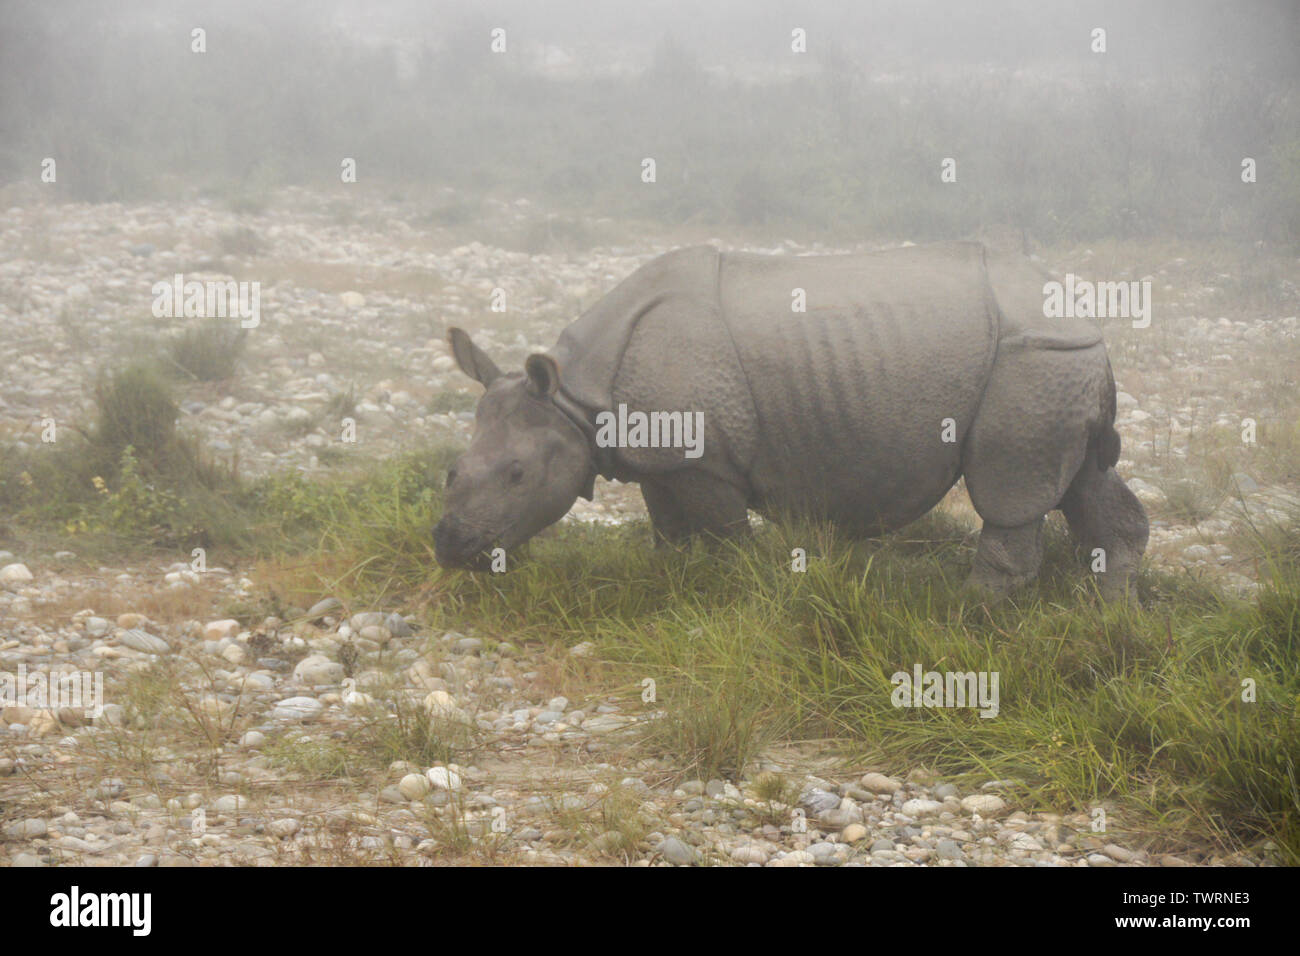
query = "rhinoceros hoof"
x=990 y=585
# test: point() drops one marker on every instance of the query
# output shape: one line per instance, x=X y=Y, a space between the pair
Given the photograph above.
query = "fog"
x=1048 y=135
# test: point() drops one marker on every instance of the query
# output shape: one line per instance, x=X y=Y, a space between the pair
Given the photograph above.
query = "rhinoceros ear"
x=543 y=374
x=473 y=361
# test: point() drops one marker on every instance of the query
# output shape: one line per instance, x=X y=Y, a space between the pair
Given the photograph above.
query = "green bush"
x=134 y=409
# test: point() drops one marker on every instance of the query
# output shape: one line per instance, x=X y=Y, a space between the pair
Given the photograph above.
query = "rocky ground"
x=358 y=304
x=543 y=778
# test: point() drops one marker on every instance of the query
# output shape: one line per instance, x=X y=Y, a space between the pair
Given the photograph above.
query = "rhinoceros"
x=850 y=388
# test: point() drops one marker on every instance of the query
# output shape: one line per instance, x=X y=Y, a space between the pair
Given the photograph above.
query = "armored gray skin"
x=837 y=413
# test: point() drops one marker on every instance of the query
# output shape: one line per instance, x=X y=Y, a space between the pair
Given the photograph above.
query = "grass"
x=621 y=823
x=135 y=409
x=208 y=351
x=342 y=403
x=1139 y=709
x=131 y=479
x=1191 y=501
x=451 y=400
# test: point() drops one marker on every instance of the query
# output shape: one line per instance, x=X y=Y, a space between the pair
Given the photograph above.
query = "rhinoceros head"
x=526 y=464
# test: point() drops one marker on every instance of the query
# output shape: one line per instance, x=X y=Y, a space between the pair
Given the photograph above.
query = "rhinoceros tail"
x=1104 y=441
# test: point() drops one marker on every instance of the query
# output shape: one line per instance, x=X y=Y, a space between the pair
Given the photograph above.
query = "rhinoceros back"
x=852 y=395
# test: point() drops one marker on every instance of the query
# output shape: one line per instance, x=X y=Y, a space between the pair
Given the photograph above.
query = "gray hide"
x=840 y=412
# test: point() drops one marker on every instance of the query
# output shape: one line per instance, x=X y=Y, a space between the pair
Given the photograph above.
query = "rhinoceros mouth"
x=481 y=561
x=476 y=556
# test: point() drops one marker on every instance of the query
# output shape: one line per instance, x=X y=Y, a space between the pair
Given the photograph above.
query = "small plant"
x=300 y=422
x=136 y=410
x=207 y=352
x=342 y=403
x=313 y=758
x=137 y=507
x=777 y=795
x=554 y=233
x=1191 y=501
x=407 y=732
x=623 y=825
x=716 y=719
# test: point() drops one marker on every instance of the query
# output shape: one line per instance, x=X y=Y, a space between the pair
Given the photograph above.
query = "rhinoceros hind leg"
x=687 y=503
x=1110 y=523
x=1007 y=558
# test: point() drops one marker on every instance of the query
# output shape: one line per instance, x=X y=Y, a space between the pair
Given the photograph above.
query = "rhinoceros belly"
x=856 y=396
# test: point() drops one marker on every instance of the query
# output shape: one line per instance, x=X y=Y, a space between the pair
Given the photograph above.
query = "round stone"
x=297 y=708
x=284 y=828
x=415 y=786
x=921 y=808
x=444 y=778
x=676 y=852
x=15 y=574
x=749 y=853
x=879 y=783
x=948 y=850
x=985 y=804
x=853 y=833
x=317 y=669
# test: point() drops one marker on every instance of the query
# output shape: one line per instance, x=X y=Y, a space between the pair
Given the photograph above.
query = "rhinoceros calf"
x=905 y=370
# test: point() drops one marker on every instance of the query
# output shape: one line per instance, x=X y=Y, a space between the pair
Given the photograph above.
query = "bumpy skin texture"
x=910 y=368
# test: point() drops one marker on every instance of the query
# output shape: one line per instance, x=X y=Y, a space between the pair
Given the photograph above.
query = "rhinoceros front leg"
x=666 y=515
x=1007 y=557
x=688 y=503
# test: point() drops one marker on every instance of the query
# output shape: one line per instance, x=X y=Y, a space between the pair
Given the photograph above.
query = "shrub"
x=209 y=351
x=136 y=410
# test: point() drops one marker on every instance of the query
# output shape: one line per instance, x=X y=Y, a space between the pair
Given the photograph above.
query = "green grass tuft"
x=135 y=408
x=208 y=351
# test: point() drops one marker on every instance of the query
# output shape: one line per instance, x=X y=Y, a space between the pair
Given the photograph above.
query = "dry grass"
x=162 y=605
x=341 y=277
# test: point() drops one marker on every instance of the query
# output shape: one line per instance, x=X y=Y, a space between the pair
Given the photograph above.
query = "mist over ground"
x=1143 y=139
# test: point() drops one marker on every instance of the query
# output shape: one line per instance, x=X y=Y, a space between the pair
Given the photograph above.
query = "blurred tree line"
x=129 y=112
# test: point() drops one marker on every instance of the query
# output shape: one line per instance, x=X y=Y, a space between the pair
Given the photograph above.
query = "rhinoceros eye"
x=516 y=473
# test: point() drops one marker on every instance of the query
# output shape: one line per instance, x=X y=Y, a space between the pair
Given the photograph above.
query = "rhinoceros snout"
x=456 y=546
